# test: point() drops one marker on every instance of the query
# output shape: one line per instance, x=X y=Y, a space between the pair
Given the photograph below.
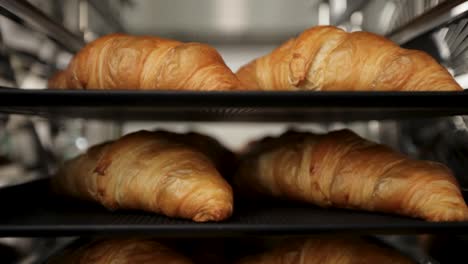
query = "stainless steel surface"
x=37 y=19
x=236 y=22
x=107 y=14
x=342 y=10
x=271 y=21
x=430 y=20
x=384 y=16
x=452 y=46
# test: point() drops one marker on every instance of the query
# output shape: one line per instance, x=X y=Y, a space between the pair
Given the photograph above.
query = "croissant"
x=328 y=250
x=341 y=169
x=152 y=171
x=120 y=251
x=326 y=58
x=121 y=61
x=58 y=80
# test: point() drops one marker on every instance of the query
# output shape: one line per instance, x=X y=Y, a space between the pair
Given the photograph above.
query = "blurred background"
x=39 y=37
x=241 y=30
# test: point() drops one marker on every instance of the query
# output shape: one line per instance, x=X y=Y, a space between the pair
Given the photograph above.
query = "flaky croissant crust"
x=326 y=250
x=326 y=58
x=125 y=251
x=151 y=171
x=341 y=169
x=121 y=61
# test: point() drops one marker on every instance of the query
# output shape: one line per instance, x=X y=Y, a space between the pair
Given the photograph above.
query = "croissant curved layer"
x=58 y=80
x=121 y=61
x=341 y=169
x=124 y=251
x=328 y=251
x=326 y=58
x=151 y=171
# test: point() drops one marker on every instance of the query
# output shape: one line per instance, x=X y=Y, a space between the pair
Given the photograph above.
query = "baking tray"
x=232 y=106
x=28 y=210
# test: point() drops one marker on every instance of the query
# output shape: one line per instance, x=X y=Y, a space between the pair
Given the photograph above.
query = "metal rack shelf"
x=232 y=106
x=41 y=214
x=40 y=21
x=431 y=20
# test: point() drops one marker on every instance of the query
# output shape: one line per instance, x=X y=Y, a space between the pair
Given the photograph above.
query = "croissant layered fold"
x=157 y=172
x=121 y=61
x=326 y=58
x=124 y=251
x=328 y=251
x=341 y=169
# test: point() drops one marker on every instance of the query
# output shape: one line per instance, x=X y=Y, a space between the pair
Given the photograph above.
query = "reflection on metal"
x=432 y=19
x=83 y=15
x=342 y=10
x=452 y=45
x=388 y=14
x=231 y=16
x=222 y=21
x=324 y=14
x=37 y=19
x=106 y=13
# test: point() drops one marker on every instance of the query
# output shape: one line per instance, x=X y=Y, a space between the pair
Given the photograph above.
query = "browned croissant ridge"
x=341 y=169
x=328 y=251
x=157 y=172
x=326 y=58
x=121 y=61
x=123 y=251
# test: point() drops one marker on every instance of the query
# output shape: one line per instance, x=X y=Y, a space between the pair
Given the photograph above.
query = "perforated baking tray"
x=233 y=106
x=29 y=210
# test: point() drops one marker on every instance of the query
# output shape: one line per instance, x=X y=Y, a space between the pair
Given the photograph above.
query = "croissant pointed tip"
x=457 y=214
x=214 y=214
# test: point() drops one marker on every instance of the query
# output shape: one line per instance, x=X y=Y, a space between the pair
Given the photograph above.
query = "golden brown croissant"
x=341 y=169
x=328 y=250
x=326 y=58
x=153 y=171
x=121 y=61
x=122 y=251
x=58 y=81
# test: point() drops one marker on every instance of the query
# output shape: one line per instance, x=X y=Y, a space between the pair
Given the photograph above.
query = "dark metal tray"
x=30 y=211
x=233 y=106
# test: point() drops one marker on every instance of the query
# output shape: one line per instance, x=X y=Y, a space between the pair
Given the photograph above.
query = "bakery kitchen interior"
x=233 y=131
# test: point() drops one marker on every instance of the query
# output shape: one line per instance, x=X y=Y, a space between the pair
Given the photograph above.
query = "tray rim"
x=227 y=229
x=232 y=99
